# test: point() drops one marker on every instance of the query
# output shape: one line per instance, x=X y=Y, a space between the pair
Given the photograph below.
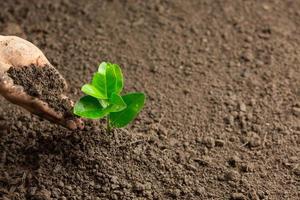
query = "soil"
x=44 y=83
x=222 y=118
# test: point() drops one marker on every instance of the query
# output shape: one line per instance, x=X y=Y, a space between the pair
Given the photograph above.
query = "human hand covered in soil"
x=16 y=52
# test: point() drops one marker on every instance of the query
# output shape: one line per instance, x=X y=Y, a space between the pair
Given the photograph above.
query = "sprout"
x=103 y=98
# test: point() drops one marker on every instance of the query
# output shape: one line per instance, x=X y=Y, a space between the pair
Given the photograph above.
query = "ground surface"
x=222 y=119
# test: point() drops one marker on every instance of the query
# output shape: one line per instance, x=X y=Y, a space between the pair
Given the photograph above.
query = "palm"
x=17 y=53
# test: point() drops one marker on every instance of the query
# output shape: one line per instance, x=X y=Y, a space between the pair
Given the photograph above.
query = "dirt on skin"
x=222 y=119
x=44 y=83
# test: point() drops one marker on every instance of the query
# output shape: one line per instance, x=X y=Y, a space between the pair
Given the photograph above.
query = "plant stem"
x=108 y=128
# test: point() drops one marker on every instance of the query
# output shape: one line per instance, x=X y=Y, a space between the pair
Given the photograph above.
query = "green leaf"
x=110 y=79
x=119 y=79
x=91 y=90
x=117 y=103
x=99 y=81
x=104 y=102
x=135 y=103
x=89 y=107
x=102 y=68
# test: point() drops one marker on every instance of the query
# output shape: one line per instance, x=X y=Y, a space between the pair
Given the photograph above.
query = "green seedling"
x=103 y=98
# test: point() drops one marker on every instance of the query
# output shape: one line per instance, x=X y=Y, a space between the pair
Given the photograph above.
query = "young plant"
x=103 y=98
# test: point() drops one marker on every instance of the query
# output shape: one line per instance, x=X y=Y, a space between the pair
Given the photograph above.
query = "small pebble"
x=61 y=184
x=296 y=111
x=232 y=175
x=230 y=120
x=252 y=139
x=233 y=161
x=209 y=142
x=242 y=107
x=247 y=56
x=238 y=196
x=296 y=170
x=249 y=39
x=32 y=190
x=205 y=161
x=55 y=192
x=43 y=194
x=247 y=167
x=219 y=143
x=139 y=187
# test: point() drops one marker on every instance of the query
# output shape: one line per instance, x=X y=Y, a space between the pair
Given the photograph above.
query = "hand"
x=17 y=52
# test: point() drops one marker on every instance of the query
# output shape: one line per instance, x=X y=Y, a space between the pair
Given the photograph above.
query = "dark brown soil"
x=44 y=83
x=222 y=120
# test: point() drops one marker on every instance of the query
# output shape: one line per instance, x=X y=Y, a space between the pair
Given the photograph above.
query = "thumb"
x=3 y=67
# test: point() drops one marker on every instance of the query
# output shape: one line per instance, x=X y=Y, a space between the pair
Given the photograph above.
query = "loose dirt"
x=44 y=83
x=221 y=121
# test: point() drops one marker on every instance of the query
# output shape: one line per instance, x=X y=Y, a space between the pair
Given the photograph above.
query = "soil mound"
x=222 y=118
x=44 y=83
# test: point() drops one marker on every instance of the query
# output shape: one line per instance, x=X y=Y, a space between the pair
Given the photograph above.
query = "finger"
x=17 y=96
x=4 y=68
x=19 y=52
x=6 y=83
